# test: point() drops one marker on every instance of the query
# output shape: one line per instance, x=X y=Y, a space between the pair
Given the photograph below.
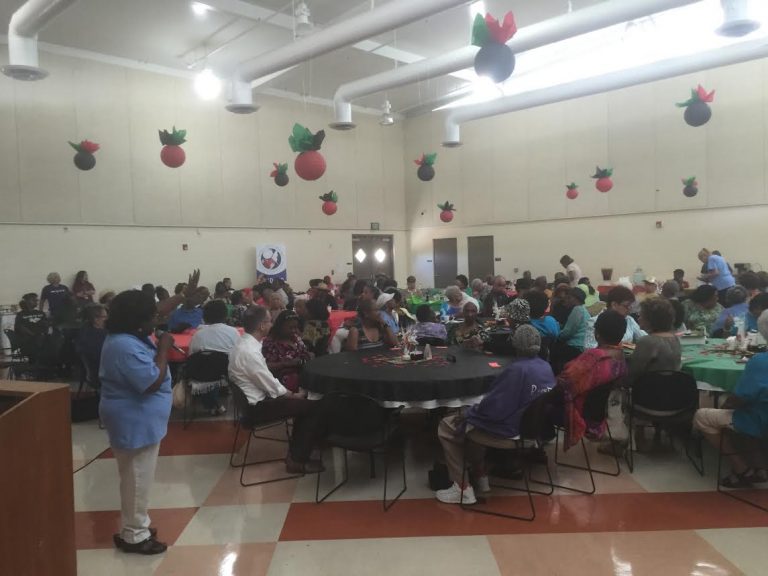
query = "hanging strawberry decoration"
x=172 y=154
x=603 y=177
x=329 y=203
x=280 y=173
x=426 y=169
x=697 y=110
x=309 y=164
x=494 y=59
x=84 y=159
x=691 y=187
x=447 y=211
x=573 y=191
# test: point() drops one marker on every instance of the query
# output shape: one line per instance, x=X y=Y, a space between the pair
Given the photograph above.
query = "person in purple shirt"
x=499 y=413
x=427 y=327
x=54 y=294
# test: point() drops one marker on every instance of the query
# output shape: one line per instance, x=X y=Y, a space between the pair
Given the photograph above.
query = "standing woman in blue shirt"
x=135 y=406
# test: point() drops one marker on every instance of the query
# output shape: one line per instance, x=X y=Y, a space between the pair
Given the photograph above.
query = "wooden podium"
x=37 y=518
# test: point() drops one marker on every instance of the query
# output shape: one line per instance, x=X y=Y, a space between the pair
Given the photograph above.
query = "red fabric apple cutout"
x=172 y=154
x=329 y=203
x=697 y=110
x=447 y=210
x=84 y=159
x=573 y=191
x=691 y=187
x=280 y=173
x=603 y=177
x=309 y=164
x=494 y=59
x=426 y=169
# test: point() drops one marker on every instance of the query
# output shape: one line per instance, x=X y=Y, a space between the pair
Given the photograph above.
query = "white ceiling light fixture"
x=200 y=9
x=386 y=117
x=737 y=19
x=207 y=85
x=303 y=25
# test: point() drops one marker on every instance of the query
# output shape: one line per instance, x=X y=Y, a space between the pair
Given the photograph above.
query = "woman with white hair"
x=499 y=414
x=455 y=301
x=746 y=412
x=55 y=294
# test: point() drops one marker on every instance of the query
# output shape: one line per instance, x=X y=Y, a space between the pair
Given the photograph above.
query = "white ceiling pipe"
x=630 y=77
x=23 y=28
x=388 y=17
x=528 y=38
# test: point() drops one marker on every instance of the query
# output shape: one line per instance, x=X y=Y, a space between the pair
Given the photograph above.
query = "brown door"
x=480 y=255
x=445 y=261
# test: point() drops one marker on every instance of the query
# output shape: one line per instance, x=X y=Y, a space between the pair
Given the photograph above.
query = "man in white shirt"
x=214 y=335
x=571 y=269
x=269 y=399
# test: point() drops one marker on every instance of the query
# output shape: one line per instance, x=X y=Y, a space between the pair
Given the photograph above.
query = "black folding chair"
x=203 y=366
x=16 y=354
x=536 y=428
x=246 y=422
x=359 y=424
x=595 y=409
x=758 y=445
x=667 y=399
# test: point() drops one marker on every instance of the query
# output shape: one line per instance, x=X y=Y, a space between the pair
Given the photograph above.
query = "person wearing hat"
x=499 y=414
x=573 y=336
x=387 y=304
x=321 y=292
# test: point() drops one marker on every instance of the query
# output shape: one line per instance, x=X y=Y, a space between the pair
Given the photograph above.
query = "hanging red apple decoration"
x=447 y=210
x=691 y=187
x=494 y=59
x=309 y=164
x=280 y=173
x=426 y=169
x=572 y=193
x=84 y=159
x=172 y=154
x=603 y=178
x=697 y=110
x=329 y=203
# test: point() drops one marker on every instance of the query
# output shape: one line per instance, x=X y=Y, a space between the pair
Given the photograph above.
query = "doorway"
x=372 y=254
x=480 y=256
x=445 y=261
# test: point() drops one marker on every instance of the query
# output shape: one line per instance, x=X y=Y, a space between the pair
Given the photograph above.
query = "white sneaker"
x=483 y=484
x=453 y=494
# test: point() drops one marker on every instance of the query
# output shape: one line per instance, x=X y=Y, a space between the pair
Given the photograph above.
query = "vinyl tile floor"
x=663 y=519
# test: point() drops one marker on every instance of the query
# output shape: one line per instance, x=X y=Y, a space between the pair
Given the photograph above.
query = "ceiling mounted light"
x=360 y=255
x=380 y=255
x=302 y=21
x=386 y=117
x=207 y=85
x=737 y=19
x=201 y=10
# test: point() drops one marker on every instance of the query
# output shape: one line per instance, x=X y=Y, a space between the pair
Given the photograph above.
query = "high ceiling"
x=167 y=33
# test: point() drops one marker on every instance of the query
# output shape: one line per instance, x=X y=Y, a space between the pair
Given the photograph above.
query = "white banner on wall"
x=271 y=261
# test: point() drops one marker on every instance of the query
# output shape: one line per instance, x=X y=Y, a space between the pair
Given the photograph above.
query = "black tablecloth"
x=369 y=372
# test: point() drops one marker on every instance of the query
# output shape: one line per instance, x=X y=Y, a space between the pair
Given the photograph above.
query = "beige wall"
x=121 y=257
x=508 y=179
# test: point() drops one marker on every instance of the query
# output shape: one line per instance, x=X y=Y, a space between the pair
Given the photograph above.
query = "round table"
x=380 y=374
x=706 y=364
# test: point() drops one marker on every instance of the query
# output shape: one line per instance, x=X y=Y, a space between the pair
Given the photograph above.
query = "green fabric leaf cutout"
x=480 y=33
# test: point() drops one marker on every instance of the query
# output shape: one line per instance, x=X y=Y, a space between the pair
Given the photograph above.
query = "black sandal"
x=734 y=480
x=146 y=547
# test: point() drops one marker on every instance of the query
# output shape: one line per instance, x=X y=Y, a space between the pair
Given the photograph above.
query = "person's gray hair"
x=762 y=324
x=526 y=341
x=452 y=291
x=53 y=276
x=670 y=289
x=477 y=284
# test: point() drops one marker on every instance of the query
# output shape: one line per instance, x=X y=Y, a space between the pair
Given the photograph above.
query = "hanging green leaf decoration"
x=480 y=33
x=302 y=140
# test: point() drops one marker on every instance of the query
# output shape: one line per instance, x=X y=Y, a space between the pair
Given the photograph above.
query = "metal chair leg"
x=339 y=485
x=389 y=505
x=594 y=471
x=245 y=463
x=587 y=468
x=732 y=493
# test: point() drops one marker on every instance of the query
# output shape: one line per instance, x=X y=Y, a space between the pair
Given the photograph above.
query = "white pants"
x=137 y=472
x=713 y=420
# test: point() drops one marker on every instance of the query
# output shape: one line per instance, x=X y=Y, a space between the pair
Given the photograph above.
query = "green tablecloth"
x=714 y=368
x=413 y=303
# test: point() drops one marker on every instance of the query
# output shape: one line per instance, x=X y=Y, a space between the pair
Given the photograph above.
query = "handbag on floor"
x=179 y=395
